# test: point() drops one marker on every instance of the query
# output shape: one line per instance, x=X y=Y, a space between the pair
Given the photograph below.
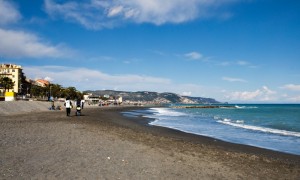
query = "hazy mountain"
x=154 y=97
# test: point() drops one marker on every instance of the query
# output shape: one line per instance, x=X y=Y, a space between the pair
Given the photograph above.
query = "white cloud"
x=290 y=98
x=84 y=14
x=126 y=62
x=295 y=99
x=21 y=44
x=291 y=87
x=114 y=11
x=48 y=79
x=194 y=55
x=225 y=63
x=233 y=79
x=8 y=13
x=262 y=94
x=85 y=79
x=89 y=79
x=237 y=63
x=98 y=14
x=16 y=44
x=186 y=93
x=246 y=64
x=242 y=63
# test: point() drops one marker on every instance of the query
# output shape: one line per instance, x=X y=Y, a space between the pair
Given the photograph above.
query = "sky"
x=237 y=51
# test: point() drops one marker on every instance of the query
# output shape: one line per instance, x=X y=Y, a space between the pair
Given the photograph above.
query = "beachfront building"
x=15 y=73
x=92 y=99
x=41 y=82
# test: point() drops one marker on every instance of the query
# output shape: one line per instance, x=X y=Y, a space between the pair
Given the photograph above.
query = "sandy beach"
x=104 y=144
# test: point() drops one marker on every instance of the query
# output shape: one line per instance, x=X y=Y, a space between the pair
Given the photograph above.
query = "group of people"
x=68 y=104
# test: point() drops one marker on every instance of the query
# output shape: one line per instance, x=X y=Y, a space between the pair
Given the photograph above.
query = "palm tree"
x=6 y=83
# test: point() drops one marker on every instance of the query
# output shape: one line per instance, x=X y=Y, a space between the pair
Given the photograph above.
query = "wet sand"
x=103 y=144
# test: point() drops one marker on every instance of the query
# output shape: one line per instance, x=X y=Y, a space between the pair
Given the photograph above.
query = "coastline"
x=200 y=139
x=103 y=143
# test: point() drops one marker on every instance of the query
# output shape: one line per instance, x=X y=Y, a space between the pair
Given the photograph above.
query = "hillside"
x=154 y=97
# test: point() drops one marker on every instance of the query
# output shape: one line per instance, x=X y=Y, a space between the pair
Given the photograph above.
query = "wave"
x=240 y=124
x=245 y=107
x=166 y=112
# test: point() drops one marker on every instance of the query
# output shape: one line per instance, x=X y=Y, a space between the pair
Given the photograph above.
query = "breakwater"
x=209 y=106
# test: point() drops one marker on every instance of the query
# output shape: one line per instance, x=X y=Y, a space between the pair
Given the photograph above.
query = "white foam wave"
x=216 y=117
x=261 y=129
x=245 y=107
x=227 y=120
x=167 y=112
x=240 y=121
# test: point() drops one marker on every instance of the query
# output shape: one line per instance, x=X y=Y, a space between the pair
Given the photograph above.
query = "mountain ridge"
x=153 y=97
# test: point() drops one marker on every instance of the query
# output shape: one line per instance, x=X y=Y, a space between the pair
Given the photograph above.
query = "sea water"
x=270 y=126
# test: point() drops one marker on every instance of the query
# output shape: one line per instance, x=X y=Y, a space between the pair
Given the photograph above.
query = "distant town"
x=14 y=85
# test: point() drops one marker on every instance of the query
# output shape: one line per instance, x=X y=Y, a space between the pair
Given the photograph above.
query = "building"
x=91 y=99
x=42 y=82
x=15 y=73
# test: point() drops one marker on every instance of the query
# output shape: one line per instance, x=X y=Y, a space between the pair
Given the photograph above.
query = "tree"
x=72 y=93
x=37 y=91
x=25 y=85
x=6 y=83
x=56 y=90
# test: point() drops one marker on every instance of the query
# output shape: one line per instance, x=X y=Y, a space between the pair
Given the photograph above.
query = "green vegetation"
x=6 y=83
x=56 y=91
x=52 y=90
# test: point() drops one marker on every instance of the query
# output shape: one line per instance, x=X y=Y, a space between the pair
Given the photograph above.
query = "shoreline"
x=108 y=144
x=201 y=139
x=189 y=135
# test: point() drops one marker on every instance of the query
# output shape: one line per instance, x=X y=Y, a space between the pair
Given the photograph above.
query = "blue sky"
x=230 y=50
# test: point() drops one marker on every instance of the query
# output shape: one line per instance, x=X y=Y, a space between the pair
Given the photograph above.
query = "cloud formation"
x=98 y=14
x=17 y=44
x=242 y=63
x=291 y=87
x=262 y=94
x=194 y=56
x=295 y=99
x=22 y=44
x=233 y=79
x=85 y=79
x=89 y=79
x=8 y=13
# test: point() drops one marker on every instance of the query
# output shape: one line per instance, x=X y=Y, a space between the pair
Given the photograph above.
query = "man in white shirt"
x=68 y=105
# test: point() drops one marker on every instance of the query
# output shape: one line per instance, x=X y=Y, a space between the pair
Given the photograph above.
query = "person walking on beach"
x=82 y=103
x=78 y=104
x=68 y=105
x=52 y=105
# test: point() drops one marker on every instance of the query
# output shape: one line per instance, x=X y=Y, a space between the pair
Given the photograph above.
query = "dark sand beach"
x=103 y=144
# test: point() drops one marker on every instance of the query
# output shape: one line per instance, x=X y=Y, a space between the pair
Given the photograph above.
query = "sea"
x=270 y=126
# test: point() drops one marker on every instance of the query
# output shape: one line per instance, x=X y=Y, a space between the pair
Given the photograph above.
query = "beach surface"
x=104 y=144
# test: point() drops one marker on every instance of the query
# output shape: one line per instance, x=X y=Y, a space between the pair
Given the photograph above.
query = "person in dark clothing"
x=78 y=107
x=78 y=103
x=82 y=103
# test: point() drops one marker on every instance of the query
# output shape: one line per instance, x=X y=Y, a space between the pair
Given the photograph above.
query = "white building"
x=15 y=73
